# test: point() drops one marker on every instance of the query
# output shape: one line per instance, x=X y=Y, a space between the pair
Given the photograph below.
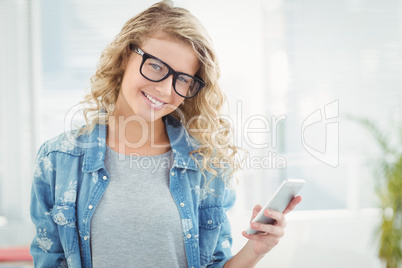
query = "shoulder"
x=73 y=142
x=69 y=151
x=65 y=143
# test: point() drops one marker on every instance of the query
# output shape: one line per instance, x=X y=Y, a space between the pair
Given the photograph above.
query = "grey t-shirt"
x=137 y=222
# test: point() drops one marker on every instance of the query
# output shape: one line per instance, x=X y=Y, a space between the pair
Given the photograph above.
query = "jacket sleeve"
x=46 y=248
x=223 y=251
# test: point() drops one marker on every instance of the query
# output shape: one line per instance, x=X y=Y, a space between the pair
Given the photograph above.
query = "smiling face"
x=152 y=100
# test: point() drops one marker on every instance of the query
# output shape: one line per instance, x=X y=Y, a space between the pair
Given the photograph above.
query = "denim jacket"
x=70 y=178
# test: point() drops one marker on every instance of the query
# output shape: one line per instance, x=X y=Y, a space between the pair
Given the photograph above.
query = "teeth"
x=153 y=100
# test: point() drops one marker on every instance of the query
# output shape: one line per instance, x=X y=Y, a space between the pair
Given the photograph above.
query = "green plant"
x=389 y=191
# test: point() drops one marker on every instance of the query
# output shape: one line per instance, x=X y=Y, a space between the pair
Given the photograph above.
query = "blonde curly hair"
x=200 y=112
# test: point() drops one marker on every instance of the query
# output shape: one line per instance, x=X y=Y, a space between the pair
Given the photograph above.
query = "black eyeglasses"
x=155 y=70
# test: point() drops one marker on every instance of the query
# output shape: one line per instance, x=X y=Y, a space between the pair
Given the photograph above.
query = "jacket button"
x=182 y=204
x=104 y=178
x=188 y=236
x=85 y=238
x=209 y=221
x=90 y=207
x=172 y=173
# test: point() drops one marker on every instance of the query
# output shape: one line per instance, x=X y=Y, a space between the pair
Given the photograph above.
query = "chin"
x=149 y=118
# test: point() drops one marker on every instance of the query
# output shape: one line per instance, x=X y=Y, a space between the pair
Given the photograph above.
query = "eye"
x=156 y=67
x=183 y=79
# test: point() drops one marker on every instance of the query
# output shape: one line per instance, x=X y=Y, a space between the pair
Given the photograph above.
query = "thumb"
x=256 y=210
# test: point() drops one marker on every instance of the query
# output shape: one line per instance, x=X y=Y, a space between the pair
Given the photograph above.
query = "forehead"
x=176 y=53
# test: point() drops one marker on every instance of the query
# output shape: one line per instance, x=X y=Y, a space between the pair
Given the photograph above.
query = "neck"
x=132 y=134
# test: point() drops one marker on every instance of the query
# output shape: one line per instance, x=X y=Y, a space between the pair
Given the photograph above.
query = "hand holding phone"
x=279 y=201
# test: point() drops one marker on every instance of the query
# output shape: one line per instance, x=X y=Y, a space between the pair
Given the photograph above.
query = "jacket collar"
x=181 y=142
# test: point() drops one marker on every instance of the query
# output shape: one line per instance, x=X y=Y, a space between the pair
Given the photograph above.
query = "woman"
x=147 y=182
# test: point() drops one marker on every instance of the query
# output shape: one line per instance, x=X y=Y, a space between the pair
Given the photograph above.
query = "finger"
x=256 y=210
x=277 y=216
x=268 y=229
x=256 y=237
x=251 y=236
x=269 y=240
x=293 y=204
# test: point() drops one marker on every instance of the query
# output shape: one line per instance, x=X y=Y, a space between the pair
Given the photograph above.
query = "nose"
x=165 y=87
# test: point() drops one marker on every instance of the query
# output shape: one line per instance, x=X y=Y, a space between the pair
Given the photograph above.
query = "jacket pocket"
x=210 y=222
x=65 y=218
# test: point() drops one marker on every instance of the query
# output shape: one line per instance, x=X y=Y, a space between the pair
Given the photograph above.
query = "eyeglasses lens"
x=156 y=70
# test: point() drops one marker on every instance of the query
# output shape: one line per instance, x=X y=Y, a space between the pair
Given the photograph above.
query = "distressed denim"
x=70 y=178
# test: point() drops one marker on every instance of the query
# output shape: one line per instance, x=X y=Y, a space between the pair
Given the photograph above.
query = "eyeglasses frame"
x=171 y=71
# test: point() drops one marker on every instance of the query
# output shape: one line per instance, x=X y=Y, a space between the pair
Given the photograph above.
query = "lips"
x=156 y=103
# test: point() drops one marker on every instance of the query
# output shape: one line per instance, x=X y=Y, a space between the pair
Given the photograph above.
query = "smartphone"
x=279 y=201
